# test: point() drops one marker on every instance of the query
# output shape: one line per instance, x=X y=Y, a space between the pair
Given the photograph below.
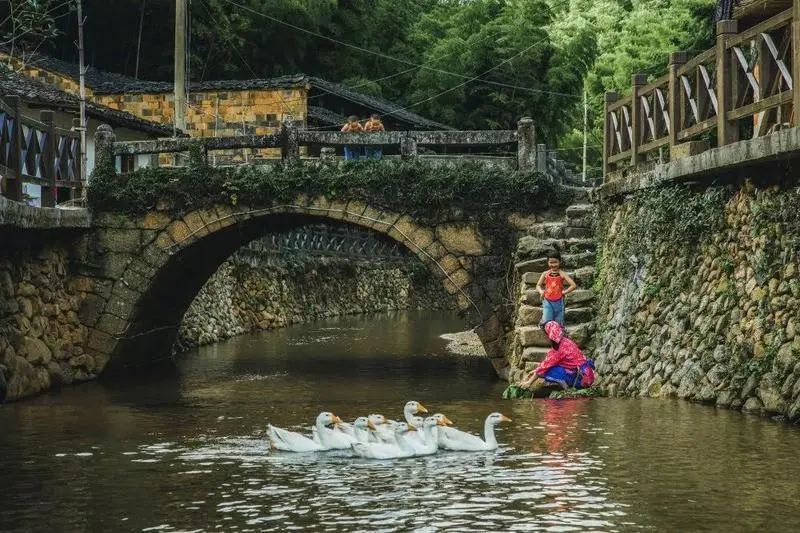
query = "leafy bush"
x=397 y=185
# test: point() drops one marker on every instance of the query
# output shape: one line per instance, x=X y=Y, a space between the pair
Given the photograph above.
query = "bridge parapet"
x=529 y=155
x=743 y=88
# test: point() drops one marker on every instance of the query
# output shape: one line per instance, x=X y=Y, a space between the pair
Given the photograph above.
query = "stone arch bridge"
x=133 y=276
x=148 y=268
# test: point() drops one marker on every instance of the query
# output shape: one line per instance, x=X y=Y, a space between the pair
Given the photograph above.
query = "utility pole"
x=585 y=132
x=82 y=80
x=180 y=65
x=139 y=41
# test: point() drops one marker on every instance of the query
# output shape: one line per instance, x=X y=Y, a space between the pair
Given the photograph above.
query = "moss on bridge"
x=411 y=187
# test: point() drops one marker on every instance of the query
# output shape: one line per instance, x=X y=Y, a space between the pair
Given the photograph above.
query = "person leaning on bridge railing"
x=352 y=126
x=374 y=124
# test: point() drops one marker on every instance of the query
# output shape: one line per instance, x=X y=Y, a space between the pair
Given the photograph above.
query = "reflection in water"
x=188 y=453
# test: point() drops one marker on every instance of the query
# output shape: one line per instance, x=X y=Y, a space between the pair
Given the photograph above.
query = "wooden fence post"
x=796 y=63
x=727 y=131
x=676 y=61
x=637 y=81
x=49 y=192
x=526 y=145
x=608 y=131
x=14 y=190
x=408 y=146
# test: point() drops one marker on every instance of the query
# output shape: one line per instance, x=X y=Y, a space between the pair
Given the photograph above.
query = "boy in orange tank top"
x=551 y=288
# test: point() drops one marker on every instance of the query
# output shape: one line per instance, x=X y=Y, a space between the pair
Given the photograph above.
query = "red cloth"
x=553 y=286
x=567 y=354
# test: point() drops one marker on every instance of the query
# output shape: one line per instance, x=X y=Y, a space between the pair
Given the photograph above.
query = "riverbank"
x=464 y=343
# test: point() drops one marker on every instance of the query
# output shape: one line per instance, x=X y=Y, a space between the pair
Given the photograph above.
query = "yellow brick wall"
x=219 y=113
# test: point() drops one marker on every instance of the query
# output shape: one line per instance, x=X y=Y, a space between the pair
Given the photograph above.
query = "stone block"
x=449 y=264
x=101 y=341
x=154 y=220
x=421 y=239
x=403 y=228
x=531 y=278
x=534 y=354
x=528 y=315
x=164 y=241
x=197 y=226
x=179 y=232
x=461 y=278
x=461 y=239
x=35 y=351
x=688 y=149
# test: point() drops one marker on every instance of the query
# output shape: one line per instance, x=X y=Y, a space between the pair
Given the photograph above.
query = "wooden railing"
x=38 y=152
x=744 y=86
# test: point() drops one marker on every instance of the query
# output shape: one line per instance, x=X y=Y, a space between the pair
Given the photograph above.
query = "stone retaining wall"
x=713 y=321
x=242 y=297
x=41 y=337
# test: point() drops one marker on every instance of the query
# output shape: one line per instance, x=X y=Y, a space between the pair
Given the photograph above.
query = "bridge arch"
x=153 y=265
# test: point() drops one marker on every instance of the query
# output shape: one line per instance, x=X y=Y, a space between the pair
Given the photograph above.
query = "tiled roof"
x=14 y=84
x=385 y=107
x=102 y=82
x=326 y=116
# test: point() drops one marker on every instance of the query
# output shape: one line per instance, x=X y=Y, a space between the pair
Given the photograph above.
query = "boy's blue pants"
x=351 y=153
x=553 y=310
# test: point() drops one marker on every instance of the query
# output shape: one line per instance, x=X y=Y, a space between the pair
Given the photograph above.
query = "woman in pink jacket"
x=564 y=365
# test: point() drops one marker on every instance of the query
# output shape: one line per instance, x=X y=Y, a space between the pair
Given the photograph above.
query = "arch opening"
x=152 y=325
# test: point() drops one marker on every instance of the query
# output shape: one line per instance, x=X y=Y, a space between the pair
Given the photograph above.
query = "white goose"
x=380 y=428
x=290 y=441
x=380 y=450
x=358 y=431
x=465 y=442
x=428 y=445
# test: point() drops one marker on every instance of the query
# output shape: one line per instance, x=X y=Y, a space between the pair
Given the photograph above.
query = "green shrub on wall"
x=398 y=185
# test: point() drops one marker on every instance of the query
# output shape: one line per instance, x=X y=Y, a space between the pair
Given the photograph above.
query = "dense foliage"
x=400 y=186
x=471 y=64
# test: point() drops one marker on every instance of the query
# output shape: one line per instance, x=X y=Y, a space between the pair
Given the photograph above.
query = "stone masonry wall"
x=711 y=316
x=41 y=337
x=242 y=298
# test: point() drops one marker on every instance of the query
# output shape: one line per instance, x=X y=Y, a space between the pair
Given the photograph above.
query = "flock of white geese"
x=375 y=437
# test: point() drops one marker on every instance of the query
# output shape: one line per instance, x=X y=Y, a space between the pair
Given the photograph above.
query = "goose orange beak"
x=370 y=425
x=337 y=420
x=448 y=421
x=441 y=422
x=421 y=409
x=504 y=418
x=411 y=428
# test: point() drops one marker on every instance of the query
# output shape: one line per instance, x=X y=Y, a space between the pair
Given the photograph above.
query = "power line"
x=392 y=58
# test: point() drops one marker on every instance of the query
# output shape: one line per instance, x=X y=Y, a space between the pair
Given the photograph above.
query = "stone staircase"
x=573 y=238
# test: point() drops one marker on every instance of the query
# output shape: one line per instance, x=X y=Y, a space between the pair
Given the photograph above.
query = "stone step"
x=583 y=277
x=573 y=232
x=530 y=247
x=580 y=216
x=580 y=210
x=534 y=354
x=579 y=296
x=528 y=315
x=581 y=222
x=548 y=230
x=535 y=336
x=570 y=261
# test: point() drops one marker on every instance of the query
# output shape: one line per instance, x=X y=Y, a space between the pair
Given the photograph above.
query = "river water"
x=187 y=452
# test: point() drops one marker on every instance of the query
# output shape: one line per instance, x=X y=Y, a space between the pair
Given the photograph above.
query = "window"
x=272 y=119
x=127 y=163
